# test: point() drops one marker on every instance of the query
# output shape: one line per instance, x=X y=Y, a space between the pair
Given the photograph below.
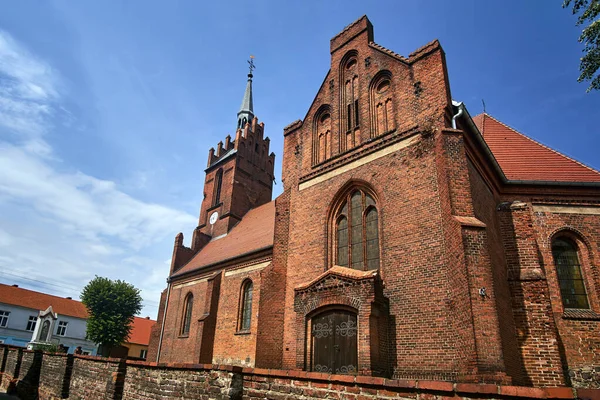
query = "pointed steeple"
x=246 y=113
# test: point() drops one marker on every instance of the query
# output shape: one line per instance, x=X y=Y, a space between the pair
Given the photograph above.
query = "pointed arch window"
x=187 y=314
x=218 y=183
x=357 y=232
x=245 y=306
x=570 y=278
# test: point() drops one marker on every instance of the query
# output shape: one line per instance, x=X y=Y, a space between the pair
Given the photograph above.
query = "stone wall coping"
x=444 y=388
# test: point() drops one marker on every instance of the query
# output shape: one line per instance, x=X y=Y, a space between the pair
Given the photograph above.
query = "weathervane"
x=251 y=64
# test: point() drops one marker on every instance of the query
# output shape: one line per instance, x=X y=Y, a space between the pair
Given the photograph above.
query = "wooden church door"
x=334 y=342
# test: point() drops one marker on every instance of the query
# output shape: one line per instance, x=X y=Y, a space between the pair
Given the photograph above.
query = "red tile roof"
x=140 y=334
x=41 y=301
x=523 y=159
x=254 y=232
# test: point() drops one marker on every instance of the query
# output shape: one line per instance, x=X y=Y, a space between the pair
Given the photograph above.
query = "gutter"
x=162 y=328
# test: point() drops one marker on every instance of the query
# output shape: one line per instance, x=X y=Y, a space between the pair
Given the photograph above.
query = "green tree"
x=588 y=11
x=112 y=306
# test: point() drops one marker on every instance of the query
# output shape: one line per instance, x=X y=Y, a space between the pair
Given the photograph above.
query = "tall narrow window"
x=570 y=279
x=357 y=232
x=342 y=241
x=218 y=182
x=356 y=120
x=246 y=307
x=372 y=238
x=187 y=314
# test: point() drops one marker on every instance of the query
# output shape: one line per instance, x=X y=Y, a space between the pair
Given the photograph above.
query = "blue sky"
x=108 y=109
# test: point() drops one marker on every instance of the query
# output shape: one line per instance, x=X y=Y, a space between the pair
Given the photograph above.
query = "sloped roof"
x=523 y=159
x=254 y=232
x=140 y=333
x=40 y=301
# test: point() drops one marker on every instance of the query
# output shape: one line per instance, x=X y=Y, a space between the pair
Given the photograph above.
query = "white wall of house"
x=16 y=333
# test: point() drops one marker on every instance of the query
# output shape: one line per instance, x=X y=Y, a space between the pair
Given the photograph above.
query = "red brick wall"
x=175 y=346
x=156 y=329
x=417 y=268
x=579 y=336
x=271 y=312
x=484 y=204
x=232 y=346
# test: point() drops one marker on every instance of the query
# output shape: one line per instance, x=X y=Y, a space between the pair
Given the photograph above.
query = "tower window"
x=217 y=186
x=357 y=232
x=570 y=278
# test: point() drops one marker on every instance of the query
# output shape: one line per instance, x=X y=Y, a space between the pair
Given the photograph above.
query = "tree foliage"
x=589 y=11
x=112 y=306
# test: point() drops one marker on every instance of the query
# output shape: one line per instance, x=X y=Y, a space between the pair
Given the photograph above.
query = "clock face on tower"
x=213 y=218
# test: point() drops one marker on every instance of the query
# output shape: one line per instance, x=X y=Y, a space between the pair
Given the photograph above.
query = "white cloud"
x=57 y=223
x=28 y=89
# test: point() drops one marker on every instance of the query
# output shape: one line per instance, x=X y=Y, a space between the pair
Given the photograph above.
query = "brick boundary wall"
x=60 y=376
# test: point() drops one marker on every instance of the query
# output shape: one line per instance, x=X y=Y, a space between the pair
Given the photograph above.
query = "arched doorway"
x=334 y=342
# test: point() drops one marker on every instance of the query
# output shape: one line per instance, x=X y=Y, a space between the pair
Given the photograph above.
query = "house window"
x=245 y=307
x=357 y=232
x=187 y=314
x=31 y=323
x=143 y=353
x=4 y=318
x=218 y=182
x=62 y=328
x=568 y=269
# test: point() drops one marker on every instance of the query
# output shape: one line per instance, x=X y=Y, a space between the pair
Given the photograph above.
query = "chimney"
x=15 y=285
x=69 y=298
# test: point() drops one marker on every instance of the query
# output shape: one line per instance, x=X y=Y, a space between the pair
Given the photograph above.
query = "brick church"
x=411 y=239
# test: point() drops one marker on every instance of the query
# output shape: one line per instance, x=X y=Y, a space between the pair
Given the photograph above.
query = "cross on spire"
x=251 y=65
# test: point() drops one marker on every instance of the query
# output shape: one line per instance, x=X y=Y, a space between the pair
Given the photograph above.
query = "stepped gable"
x=253 y=233
x=523 y=159
x=41 y=301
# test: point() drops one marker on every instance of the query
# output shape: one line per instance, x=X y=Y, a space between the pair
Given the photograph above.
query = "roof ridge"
x=538 y=143
x=388 y=51
x=349 y=26
x=45 y=294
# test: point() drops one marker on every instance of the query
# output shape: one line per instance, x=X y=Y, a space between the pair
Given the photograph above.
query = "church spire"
x=246 y=113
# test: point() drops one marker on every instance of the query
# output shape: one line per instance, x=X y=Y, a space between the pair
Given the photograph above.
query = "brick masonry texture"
x=96 y=378
x=466 y=291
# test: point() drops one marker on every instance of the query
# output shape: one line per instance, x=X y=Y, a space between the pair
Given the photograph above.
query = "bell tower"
x=239 y=173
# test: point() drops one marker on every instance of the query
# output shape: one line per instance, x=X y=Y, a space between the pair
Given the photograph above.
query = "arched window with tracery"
x=187 y=314
x=217 y=186
x=357 y=232
x=383 y=118
x=350 y=102
x=245 y=313
x=570 y=277
x=321 y=149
